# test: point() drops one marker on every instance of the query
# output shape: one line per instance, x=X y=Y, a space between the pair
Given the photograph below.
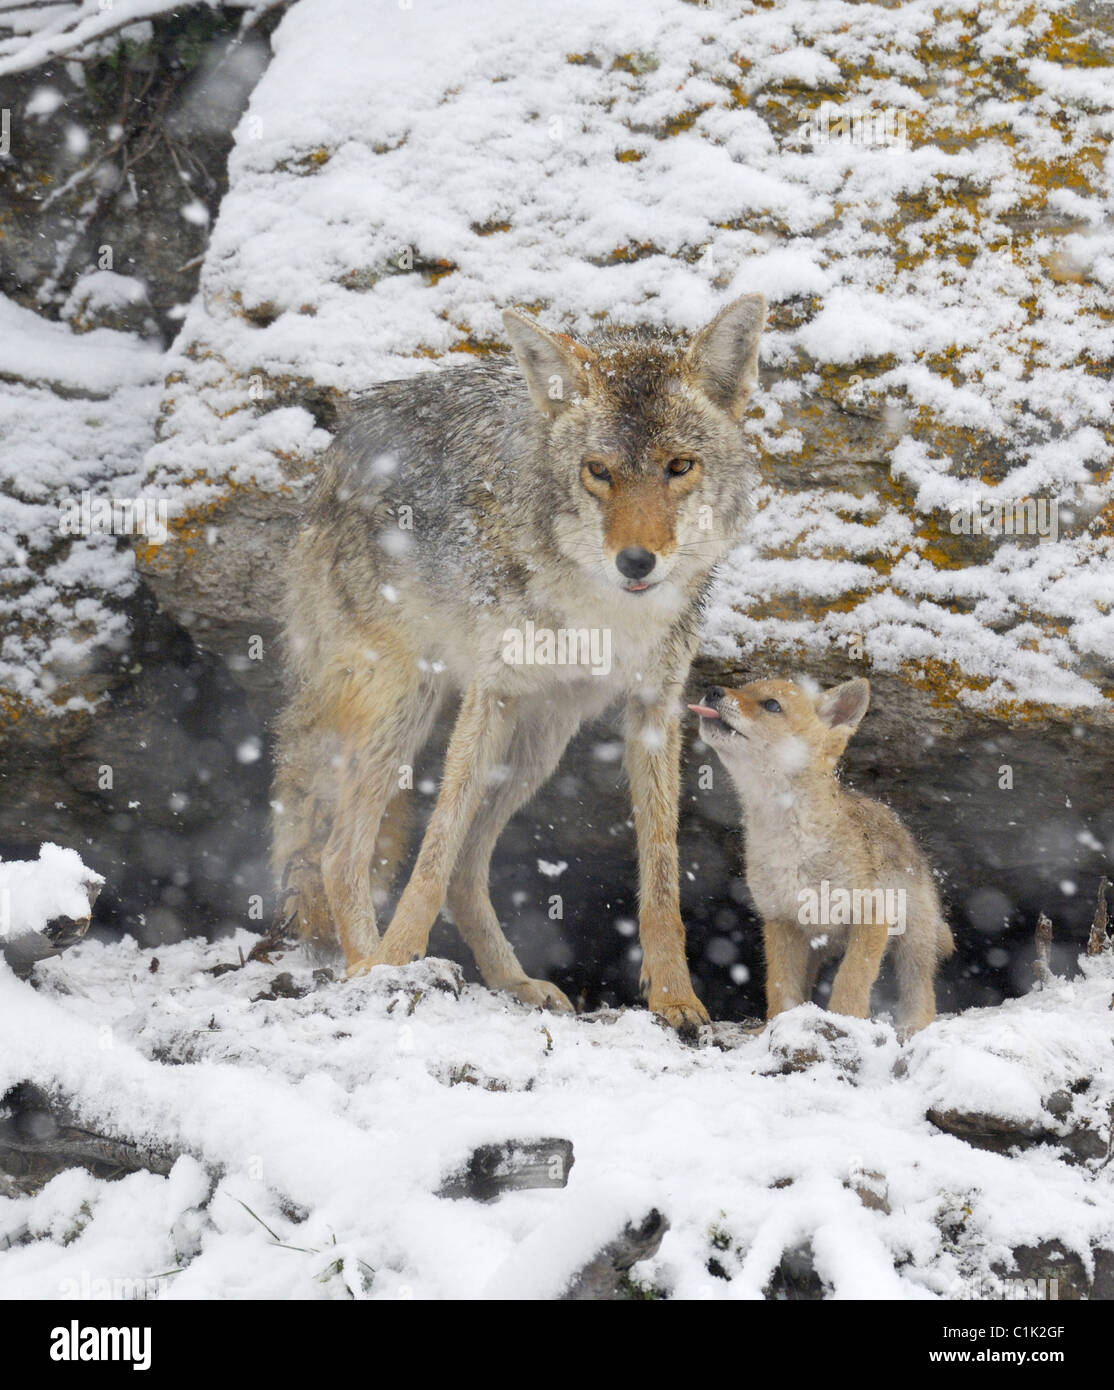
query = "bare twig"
x=1042 y=966
x=1099 y=941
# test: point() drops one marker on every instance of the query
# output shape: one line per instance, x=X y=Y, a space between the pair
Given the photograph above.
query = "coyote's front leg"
x=480 y=737
x=653 y=758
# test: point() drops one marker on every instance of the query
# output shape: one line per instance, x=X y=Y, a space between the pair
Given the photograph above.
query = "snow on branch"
x=80 y=24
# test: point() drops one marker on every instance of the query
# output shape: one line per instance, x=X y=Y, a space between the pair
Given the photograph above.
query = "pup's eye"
x=771 y=706
x=598 y=470
x=677 y=467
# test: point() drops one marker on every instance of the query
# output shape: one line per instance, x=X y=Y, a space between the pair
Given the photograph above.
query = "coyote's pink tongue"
x=705 y=711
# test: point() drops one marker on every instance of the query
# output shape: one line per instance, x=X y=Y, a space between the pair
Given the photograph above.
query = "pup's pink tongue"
x=705 y=711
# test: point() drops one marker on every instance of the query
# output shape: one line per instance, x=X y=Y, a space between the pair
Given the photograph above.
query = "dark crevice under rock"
x=192 y=748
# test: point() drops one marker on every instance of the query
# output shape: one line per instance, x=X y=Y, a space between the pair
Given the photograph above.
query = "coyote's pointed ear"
x=723 y=358
x=553 y=365
x=844 y=705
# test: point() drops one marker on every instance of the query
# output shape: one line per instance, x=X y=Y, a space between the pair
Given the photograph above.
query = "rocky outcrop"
x=912 y=274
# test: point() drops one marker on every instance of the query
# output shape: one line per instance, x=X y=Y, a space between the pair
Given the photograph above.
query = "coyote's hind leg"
x=916 y=957
x=387 y=719
x=351 y=730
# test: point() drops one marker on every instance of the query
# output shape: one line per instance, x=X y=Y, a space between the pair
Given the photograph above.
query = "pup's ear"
x=844 y=705
x=553 y=365
x=723 y=358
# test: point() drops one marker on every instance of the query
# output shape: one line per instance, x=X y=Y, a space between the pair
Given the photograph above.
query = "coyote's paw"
x=685 y=1015
x=540 y=994
x=361 y=967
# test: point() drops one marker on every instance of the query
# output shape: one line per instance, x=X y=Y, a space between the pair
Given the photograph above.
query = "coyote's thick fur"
x=574 y=488
x=831 y=871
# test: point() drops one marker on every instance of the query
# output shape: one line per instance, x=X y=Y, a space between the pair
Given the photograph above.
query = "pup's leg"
x=653 y=753
x=480 y=737
x=535 y=750
x=787 y=966
x=916 y=958
x=813 y=967
x=858 y=971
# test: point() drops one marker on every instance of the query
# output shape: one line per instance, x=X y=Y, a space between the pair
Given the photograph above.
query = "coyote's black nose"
x=635 y=562
x=712 y=696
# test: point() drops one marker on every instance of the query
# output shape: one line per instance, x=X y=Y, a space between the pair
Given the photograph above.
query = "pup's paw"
x=911 y=1027
x=685 y=1015
x=540 y=994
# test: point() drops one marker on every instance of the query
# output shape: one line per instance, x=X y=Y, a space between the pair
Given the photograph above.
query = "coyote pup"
x=496 y=529
x=831 y=871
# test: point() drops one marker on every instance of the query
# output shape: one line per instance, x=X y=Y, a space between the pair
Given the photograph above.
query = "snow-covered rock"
x=45 y=904
x=926 y=204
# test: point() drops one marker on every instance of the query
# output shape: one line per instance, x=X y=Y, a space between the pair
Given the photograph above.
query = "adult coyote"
x=470 y=528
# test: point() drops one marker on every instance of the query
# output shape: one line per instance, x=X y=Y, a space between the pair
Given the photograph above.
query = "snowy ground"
x=334 y=1117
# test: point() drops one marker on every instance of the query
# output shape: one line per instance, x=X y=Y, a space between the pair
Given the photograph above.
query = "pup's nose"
x=634 y=562
x=712 y=696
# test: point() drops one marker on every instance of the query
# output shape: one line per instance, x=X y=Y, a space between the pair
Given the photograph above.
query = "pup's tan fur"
x=802 y=828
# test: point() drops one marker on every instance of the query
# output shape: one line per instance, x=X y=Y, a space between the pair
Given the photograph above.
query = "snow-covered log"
x=602 y=1278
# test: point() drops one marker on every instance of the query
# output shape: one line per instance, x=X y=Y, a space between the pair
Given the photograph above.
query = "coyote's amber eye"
x=598 y=470
x=677 y=467
x=771 y=706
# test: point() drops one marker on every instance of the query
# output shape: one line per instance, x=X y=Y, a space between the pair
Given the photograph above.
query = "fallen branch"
x=513 y=1166
x=39 y=1139
x=602 y=1277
